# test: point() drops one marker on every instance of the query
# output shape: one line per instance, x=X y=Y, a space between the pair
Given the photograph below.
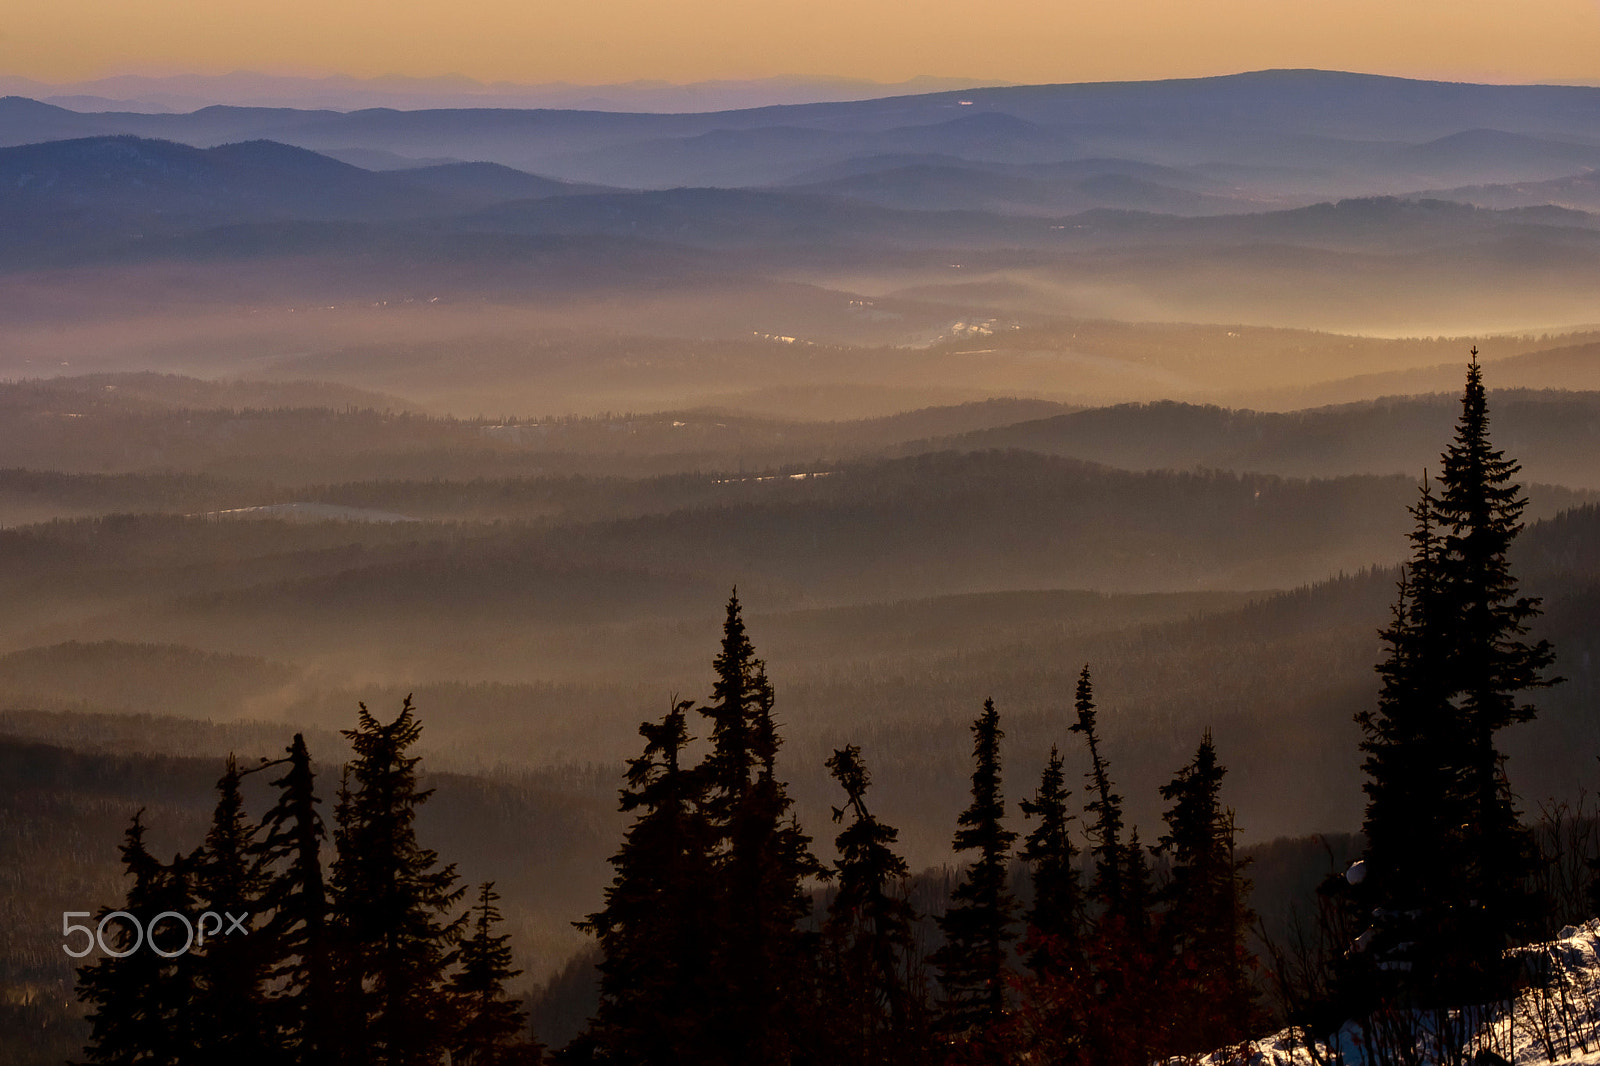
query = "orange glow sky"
x=603 y=41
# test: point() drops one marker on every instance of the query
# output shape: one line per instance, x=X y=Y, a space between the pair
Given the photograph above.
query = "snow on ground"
x=1556 y=1020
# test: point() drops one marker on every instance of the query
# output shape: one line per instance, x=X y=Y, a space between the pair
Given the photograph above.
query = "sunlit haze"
x=638 y=428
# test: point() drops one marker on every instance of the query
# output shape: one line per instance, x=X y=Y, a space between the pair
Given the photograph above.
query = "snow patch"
x=1554 y=1021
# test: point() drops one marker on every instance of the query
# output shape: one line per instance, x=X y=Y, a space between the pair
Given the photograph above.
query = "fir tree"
x=296 y=902
x=764 y=859
x=1105 y=831
x=655 y=931
x=740 y=697
x=1415 y=813
x=873 y=1011
x=1053 y=919
x=390 y=900
x=977 y=926
x=488 y=1026
x=1207 y=920
x=232 y=966
x=1447 y=856
x=139 y=1001
x=1479 y=512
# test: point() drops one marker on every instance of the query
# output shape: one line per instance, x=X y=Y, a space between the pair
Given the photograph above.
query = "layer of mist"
x=302 y=408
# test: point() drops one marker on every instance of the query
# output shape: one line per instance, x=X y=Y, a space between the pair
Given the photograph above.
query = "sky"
x=610 y=41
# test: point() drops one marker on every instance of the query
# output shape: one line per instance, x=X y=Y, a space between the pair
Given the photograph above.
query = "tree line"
x=354 y=961
x=724 y=940
x=714 y=950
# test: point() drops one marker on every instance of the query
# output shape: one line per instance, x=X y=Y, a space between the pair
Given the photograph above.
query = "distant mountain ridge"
x=186 y=92
x=256 y=177
x=119 y=188
x=1556 y=436
x=1244 y=118
x=104 y=189
x=1296 y=197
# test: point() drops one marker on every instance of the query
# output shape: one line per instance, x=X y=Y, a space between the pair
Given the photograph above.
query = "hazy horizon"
x=179 y=90
x=488 y=388
x=1020 y=41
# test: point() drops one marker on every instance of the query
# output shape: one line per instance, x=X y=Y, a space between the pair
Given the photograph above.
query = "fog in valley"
x=961 y=390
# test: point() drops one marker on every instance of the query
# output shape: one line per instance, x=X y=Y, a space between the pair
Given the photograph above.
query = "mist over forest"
x=961 y=390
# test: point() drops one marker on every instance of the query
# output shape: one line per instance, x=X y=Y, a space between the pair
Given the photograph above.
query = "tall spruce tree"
x=764 y=860
x=656 y=928
x=978 y=924
x=1480 y=514
x=229 y=1012
x=140 y=992
x=1105 y=807
x=1415 y=812
x=295 y=900
x=738 y=699
x=1056 y=912
x=873 y=1009
x=1448 y=856
x=391 y=899
x=488 y=1027
x=1207 y=920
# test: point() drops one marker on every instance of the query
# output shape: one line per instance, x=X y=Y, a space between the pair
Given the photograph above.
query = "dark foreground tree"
x=1100 y=1005
x=234 y=954
x=1207 y=922
x=763 y=862
x=488 y=1026
x=1480 y=513
x=1104 y=807
x=139 y=993
x=296 y=901
x=978 y=925
x=1056 y=913
x=873 y=1008
x=1448 y=859
x=1415 y=802
x=391 y=902
x=655 y=930
x=229 y=1012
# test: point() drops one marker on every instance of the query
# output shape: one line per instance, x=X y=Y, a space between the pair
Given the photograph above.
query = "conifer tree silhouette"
x=139 y=1001
x=1133 y=980
x=1207 y=921
x=488 y=1027
x=1413 y=797
x=764 y=859
x=391 y=897
x=1479 y=512
x=229 y=1011
x=978 y=925
x=1447 y=855
x=873 y=1009
x=656 y=928
x=1105 y=807
x=1138 y=889
x=234 y=953
x=296 y=903
x=1415 y=802
x=1055 y=915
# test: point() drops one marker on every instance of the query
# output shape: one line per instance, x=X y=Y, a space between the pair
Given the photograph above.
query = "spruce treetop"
x=1447 y=855
x=1106 y=806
